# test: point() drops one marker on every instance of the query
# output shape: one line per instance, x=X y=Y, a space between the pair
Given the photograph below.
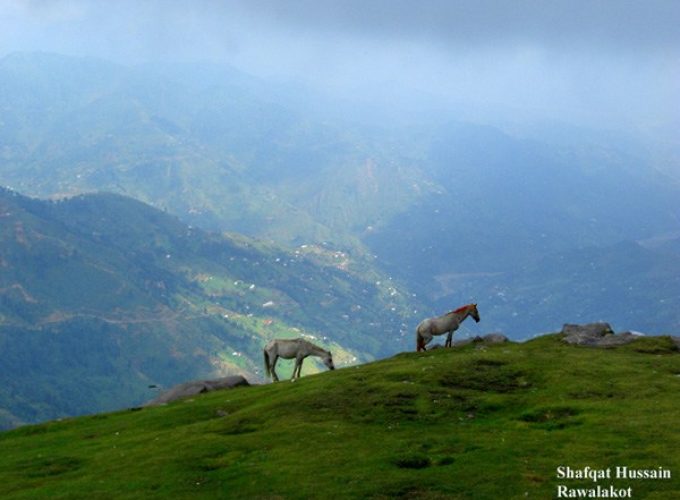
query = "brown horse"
x=448 y=323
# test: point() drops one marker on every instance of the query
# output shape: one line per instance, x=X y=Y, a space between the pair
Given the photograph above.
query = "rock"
x=595 y=335
x=198 y=387
x=617 y=339
x=588 y=334
x=495 y=338
x=489 y=338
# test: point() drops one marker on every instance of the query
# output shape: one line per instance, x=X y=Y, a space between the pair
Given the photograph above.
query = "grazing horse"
x=448 y=323
x=289 y=349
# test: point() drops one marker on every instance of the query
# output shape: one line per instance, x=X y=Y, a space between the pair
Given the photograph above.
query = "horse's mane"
x=460 y=309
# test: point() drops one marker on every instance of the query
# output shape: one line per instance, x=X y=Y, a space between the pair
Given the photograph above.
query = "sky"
x=613 y=63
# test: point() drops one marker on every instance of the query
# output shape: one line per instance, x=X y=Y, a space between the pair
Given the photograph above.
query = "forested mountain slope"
x=102 y=296
x=460 y=212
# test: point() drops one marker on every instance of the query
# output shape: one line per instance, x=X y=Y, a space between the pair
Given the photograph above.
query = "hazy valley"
x=103 y=296
x=348 y=226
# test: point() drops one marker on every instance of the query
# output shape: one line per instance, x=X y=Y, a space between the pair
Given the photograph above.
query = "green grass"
x=476 y=423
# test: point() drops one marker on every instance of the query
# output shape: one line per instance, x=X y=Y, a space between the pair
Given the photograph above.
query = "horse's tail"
x=419 y=340
x=267 y=368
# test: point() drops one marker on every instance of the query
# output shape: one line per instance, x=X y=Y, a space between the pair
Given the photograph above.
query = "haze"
x=604 y=64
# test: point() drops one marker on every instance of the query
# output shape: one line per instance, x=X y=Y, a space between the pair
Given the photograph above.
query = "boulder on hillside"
x=617 y=339
x=595 y=335
x=490 y=338
x=198 y=387
x=495 y=338
x=575 y=334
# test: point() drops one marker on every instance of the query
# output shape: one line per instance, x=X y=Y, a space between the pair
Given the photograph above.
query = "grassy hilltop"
x=472 y=422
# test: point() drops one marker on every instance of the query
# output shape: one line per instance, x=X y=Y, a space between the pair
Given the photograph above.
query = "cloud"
x=613 y=24
x=613 y=61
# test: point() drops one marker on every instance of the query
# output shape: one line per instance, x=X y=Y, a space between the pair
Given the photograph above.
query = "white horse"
x=289 y=349
x=448 y=323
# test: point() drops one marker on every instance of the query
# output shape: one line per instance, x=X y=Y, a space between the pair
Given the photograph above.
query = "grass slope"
x=491 y=422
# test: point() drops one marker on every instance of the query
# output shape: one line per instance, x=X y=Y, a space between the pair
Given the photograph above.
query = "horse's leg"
x=296 y=369
x=449 y=337
x=423 y=339
x=427 y=338
x=267 y=367
x=299 y=367
x=274 y=376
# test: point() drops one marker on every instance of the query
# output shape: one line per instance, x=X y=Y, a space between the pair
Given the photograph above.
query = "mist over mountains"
x=345 y=222
x=445 y=205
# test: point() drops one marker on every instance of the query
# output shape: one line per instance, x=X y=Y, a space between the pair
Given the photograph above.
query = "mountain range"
x=376 y=223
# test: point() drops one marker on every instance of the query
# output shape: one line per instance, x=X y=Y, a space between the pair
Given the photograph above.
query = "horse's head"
x=328 y=360
x=472 y=311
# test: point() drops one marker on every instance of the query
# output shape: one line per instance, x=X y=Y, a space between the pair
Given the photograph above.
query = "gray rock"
x=495 y=338
x=489 y=338
x=198 y=387
x=595 y=335
x=617 y=339
x=588 y=334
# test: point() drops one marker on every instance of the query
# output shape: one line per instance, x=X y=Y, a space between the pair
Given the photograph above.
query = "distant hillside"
x=475 y=422
x=102 y=296
x=637 y=286
x=537 y=233
x=459 y=212
x=218 y=148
